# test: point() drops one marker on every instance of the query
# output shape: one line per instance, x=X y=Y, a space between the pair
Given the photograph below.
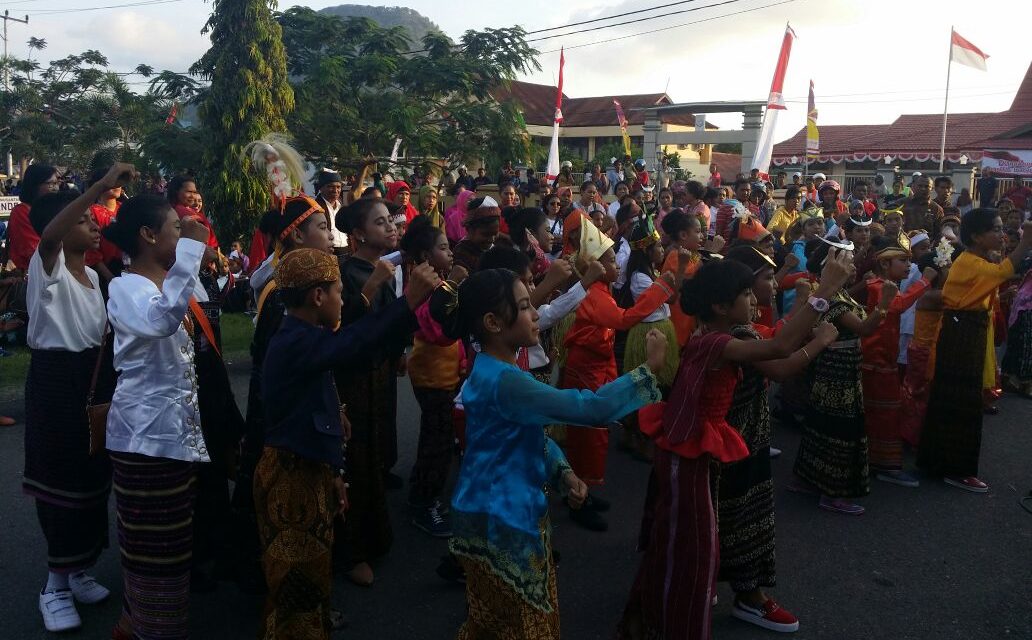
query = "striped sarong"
x=70 y=487
x=672 y=594
x=155 y=500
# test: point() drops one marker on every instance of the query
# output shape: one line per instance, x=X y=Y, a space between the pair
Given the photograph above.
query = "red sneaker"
x=770 y=616
x=970 y=483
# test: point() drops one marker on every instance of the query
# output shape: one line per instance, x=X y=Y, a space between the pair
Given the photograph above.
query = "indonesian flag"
x=775 y=104
x=966 y=53
x=552 y=171
x=813 y=137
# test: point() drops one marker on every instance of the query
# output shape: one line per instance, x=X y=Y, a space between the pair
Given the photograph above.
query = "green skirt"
x=635 y=350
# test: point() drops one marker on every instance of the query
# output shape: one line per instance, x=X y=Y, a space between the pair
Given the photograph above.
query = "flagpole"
x=946 y=106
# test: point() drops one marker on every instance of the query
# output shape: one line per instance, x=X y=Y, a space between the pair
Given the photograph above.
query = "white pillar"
x=752 y=121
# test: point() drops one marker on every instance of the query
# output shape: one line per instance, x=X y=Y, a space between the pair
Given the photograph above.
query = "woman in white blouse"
x=153 y=428
x=66 y=330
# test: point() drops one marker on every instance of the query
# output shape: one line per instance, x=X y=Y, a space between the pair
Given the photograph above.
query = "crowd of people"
x=688 y=317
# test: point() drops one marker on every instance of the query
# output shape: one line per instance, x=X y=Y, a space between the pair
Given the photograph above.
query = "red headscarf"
x=392 y=192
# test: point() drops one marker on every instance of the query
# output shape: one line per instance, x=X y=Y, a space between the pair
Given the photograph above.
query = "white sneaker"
x=86 y=589
x=58 y=609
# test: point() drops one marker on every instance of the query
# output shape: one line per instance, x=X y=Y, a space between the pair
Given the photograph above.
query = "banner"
x=775 y=105
x=1008 y=164
x=552 y=170
x=623 y=127
x=7 y=203
x=813 y=137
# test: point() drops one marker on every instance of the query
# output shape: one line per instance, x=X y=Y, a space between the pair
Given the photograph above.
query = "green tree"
x=248 y=98
x=359 y=87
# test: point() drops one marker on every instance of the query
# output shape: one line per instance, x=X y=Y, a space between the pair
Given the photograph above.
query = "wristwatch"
x=820 y=305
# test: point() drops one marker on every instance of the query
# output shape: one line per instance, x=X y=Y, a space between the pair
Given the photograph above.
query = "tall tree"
x=361 y=86
x=249 y=97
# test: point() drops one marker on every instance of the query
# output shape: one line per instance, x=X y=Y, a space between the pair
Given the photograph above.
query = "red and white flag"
x=552 y=170
x=775 y=104
x=963 y=52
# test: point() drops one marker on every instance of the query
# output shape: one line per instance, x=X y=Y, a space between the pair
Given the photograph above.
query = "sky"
x=870 y=60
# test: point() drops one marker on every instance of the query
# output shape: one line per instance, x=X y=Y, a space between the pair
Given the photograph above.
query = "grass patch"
x=237 y=330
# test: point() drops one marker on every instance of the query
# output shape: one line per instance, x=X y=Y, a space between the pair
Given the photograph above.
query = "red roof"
x=538 y=104
x=921 y=133
x=728 y=164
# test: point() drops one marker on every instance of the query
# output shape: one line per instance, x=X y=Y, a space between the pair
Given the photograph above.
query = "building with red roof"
x=591 y=123
x=912 y=142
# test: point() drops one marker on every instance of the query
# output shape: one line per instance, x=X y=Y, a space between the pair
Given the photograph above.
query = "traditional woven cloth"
x=155 y=499
x=833 y=450
x=745 y=500
x=295 y=503
x=70 y=486
x=952 y=436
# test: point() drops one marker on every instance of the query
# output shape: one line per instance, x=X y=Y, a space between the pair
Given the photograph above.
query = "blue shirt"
x=499 y=501
x=301 y=404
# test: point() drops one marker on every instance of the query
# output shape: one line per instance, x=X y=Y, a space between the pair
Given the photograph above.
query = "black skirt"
x=58 y=466
x=952 y=436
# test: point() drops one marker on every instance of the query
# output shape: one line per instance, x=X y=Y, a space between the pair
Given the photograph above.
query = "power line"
x=619 y=15
x=626 y=22
x=140 y=3
x=676 y=26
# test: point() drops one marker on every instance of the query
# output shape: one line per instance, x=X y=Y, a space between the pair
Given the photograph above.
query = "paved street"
x=932 y=562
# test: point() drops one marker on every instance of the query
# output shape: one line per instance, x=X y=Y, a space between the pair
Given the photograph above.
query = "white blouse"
x=154 y=409
x=64 y=314
x=639 y=284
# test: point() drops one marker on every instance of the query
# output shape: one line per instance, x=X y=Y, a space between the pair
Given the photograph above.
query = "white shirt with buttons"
x=154 y=409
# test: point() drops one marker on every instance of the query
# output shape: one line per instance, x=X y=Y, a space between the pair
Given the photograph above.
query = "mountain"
x=417 y=24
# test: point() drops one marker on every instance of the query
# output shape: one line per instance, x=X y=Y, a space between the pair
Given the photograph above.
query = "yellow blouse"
x=973 y=282
x=782 y=220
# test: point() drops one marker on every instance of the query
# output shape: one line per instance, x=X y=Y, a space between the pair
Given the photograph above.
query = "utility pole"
x=7 y=74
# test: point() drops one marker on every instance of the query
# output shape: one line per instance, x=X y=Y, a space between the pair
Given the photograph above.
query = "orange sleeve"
x=903 y=301
x=601 y=309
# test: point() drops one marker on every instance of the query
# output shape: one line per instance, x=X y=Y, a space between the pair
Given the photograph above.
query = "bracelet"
x=806 y=353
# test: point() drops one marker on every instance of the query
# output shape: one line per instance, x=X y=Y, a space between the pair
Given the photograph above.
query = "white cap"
x=567 y=163
x=797 y=175
x=916 y=174
x=819 y=176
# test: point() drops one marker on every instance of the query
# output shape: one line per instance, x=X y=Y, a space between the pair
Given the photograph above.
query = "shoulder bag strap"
x=202 y=320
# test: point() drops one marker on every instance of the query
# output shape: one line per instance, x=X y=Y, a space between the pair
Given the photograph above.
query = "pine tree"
x=249 y=97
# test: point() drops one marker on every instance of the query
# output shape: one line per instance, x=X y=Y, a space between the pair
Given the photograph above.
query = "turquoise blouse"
x=499 y=504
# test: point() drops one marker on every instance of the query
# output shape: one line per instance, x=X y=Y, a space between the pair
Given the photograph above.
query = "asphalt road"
x=932 y=562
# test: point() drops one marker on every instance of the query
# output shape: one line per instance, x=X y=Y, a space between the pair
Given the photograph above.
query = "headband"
x=918 y=238
x=312 y=208
x=846 y=246
x=647 y=241
x=892 y=252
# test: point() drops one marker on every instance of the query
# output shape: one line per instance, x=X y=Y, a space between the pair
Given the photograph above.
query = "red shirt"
x=107 y=251
x=22 y=239
x=882 y=346
x=184 y=211
x=590 y=360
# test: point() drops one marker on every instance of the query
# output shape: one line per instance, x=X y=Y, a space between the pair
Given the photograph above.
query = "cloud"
x=129 y=38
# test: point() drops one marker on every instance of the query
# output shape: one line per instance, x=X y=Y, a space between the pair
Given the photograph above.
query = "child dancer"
x=646 y=255
x=881 y=381
x=952 y=436
x=685 y=232
x=299 y=483
x=153 y=425
x=672 y=594
x=590 y=361
x=504 y=545
x=435 y=367
x=66 y=333
x=832 y=457
x=921 y=350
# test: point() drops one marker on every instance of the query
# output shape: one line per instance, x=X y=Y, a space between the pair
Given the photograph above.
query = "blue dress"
x=499 y=505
